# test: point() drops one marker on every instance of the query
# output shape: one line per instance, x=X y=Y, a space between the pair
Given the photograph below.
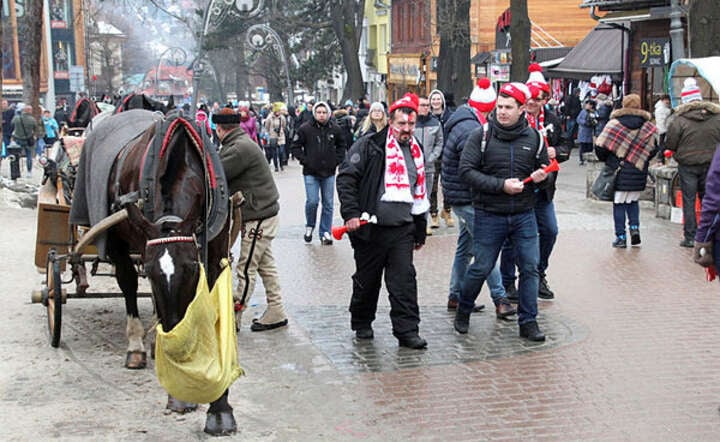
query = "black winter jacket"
x=513 y=152
x=358 y=183
x=320 y=148
x=562 y=153
x=456 y=191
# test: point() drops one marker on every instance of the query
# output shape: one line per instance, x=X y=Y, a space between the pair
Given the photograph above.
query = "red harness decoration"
x=198 y=141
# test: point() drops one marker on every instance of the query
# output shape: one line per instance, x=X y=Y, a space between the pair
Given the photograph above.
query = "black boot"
x=462 y=322
x=544 y=291
x=531 y=332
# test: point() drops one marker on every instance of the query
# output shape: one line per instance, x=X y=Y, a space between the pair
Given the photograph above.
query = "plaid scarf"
x=634 y=146
x=397 y=183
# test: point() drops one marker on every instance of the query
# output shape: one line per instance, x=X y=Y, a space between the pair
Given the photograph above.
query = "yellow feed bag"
x=197 y=360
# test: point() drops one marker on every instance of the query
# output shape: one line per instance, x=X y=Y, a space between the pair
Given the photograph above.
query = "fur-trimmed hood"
x=697 y=110
x=625 y=111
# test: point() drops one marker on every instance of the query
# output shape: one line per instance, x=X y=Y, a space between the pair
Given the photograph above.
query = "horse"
x=142 y=101
x=83 y=112
x=171 y=170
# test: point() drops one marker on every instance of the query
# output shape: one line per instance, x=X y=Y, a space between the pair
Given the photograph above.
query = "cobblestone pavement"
x=632 y=350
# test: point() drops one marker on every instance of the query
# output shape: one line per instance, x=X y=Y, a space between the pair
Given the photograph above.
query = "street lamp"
x=261 y=36
x=177 y=57
x=215 y=14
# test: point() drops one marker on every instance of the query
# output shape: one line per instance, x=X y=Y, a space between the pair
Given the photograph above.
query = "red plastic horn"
x=552 y=167
x=668 y=153
x=339 y=231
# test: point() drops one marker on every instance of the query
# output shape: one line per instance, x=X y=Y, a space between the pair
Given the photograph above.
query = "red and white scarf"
x=397 y=183
x=538 y=123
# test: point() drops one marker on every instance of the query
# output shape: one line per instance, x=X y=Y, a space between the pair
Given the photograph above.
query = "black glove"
x=703 y=253
x=420 y=229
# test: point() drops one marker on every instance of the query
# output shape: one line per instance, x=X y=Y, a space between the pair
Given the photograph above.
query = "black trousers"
x=390 y=251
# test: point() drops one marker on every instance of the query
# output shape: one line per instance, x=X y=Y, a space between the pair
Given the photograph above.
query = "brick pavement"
x=632 y=351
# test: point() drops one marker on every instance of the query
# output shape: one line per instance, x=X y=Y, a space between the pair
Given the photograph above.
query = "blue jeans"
x=315 y=188
x=490 y=232
x=463 y=256
x=633 y=216
x=547 y=231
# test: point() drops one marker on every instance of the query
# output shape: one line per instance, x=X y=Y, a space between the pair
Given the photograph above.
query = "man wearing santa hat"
x=494 y=163
x=548 y=124
x=457 y=193
x=693 y=134
x=383 y=175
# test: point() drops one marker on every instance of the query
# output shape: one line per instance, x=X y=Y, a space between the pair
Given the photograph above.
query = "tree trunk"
x=520 y=40
x=30 y=27
x=454 y=57
x=704 y=26
x=348 y=32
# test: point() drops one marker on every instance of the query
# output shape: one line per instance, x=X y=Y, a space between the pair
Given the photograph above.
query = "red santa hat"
x=483 y=96
x=516 y=90
x=409 y=100
x=536 y=81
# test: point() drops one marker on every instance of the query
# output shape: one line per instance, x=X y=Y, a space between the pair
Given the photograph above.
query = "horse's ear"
x=170 y=104
x=138 y=220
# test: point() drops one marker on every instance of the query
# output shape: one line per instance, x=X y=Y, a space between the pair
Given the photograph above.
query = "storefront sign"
x=652 y=52
x=499 y=72
x=404 y=70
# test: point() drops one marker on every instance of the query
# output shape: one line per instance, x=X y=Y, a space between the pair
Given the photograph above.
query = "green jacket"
x=247 y=171
x=24 y=127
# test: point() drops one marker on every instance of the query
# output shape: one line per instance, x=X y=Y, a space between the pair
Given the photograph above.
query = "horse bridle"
x=170 y=239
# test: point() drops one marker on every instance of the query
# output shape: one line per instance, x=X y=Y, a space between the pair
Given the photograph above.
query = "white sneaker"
x=326 y=239
x=308 y=234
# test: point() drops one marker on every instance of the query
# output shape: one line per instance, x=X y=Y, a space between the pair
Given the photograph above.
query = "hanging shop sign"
x=652 y=52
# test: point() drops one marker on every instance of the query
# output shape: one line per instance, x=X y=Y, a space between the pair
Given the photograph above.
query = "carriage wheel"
x=54 y=299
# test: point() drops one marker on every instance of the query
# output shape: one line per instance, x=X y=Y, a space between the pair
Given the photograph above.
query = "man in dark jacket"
x=320 y=147
x=545 y=121
x=571 y=109
x=456 y=192
x=693 y=134
x=247 y=171
x=8 y=113
x=383 y=175
x=504 y=205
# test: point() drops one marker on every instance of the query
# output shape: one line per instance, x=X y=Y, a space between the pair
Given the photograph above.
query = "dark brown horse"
x=83 y=112
x=142 y=101
x=170 y=171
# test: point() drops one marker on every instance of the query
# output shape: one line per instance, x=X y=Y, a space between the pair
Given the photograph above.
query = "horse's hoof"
x=178 y=406
x=136 y=360
x=220 y=424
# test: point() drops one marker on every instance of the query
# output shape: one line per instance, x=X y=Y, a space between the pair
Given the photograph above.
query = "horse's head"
x=142 y=101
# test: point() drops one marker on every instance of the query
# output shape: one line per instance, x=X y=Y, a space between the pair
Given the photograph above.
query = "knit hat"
x=409 y=100
x=516 y=90
x=536 y=81
x=690 y=91
x=377 y=106
x=483 y=96
x=631 y=101
x=200 y=116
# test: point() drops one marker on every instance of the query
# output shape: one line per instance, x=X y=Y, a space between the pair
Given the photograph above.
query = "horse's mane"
x=140 y=101
x=84 y=111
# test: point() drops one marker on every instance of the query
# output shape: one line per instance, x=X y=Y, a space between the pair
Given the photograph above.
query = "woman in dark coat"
x=627 y=144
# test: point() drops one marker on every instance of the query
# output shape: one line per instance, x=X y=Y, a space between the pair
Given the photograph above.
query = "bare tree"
x=453 y=27
x=520 y=40
x=30 y=27
x=704 y=26
x=348 y=30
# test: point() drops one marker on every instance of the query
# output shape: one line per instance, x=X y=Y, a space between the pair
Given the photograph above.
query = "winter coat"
x=709 y=226
x=662 y=112
x=250 y=128
x=247 y=171
x=456 y=191
x=562 y=152
x=24 y=127
x=603 y=115
x=572 y=106
x=358 y=183
x=511 y=152
x=585 y=129
x=694 y=132
x=429 y=133
x=320 y=148
x=275 y=128
x=629 y=178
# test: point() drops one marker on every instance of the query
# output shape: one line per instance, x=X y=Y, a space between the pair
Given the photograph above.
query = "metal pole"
x=278 y=41
x=676 y=31
x=50 y=96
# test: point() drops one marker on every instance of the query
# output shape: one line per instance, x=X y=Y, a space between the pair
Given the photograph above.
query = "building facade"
x=374 y=47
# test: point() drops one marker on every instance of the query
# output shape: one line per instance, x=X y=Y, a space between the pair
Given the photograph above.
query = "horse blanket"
x=103 y=144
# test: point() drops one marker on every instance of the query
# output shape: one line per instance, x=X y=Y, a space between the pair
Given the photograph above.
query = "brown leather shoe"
x=503 y=310
x=453 y=305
